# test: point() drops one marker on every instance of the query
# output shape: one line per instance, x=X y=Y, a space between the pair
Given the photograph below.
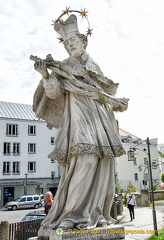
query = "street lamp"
x=25 y=184
x=131 y=158
x=131 y=154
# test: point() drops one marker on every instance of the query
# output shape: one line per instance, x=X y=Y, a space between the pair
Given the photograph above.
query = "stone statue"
x=79 y=100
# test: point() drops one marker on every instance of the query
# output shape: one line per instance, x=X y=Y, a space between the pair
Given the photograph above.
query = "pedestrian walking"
x=130 y=203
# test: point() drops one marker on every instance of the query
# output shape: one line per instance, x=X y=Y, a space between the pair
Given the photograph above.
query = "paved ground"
x=15 y=216
x=142 y=225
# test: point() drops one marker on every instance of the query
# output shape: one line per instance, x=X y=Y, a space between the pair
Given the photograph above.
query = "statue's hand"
x=40 y=66
x=122 y=105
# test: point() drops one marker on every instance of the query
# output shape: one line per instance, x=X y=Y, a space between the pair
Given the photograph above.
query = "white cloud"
x=127 y=43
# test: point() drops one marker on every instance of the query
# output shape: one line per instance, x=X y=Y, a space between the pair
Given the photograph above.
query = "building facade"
x=137 y=172
x=25 y=143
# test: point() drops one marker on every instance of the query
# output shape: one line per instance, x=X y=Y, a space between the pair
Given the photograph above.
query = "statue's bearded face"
x=74 y=46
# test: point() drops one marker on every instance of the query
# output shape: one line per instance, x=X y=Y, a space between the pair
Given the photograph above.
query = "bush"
x=162 y=178
x=155 y=187
x=133 y=188
x=159 y=237
x=117 y=187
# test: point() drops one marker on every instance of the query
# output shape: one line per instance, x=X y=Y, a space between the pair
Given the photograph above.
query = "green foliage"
x=162 y=178
x=155 y=187
x=133 y=188
x=160 y=154
x=117 y=187
x=159 y=237
x=124 y=199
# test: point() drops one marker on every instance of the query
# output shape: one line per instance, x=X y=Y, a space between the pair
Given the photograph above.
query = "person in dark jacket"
x=49 y=202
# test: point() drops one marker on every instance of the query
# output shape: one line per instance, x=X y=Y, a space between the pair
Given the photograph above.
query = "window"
x=12 y=130
x=7 y=148
x=144 y=182
x=23 y=199
x=154 y=165
x=59 y=171
x=31 y=148
x=31 y=167
x=135 y=161
x=16 y=167
x=29 y=199
x=52 y=140
x=36 y=198
x=31 y=130
x=127 y=139
x=137 y=141
x=53 y=176
x=145 y=161
x=136 y=176
x=16 y=148
x=6 y=168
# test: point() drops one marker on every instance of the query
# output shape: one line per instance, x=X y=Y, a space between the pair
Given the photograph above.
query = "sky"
x=127 y=43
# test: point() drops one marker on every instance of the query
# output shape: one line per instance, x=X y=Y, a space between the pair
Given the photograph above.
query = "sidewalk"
x=143 y=223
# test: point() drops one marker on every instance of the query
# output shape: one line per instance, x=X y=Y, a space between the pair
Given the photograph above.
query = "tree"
x=161 y=154
x=133 y=188
x=117 y=187
x=162 y=177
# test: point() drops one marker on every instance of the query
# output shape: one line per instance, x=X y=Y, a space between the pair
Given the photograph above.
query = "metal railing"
x=24 y=230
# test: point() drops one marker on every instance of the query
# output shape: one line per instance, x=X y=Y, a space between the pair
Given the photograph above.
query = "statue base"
x=111 y=232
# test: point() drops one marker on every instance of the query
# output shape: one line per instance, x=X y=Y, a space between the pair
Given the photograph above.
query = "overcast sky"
x=127 y=43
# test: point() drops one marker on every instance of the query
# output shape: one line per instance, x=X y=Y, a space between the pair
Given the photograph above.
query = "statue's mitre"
x=67 y=27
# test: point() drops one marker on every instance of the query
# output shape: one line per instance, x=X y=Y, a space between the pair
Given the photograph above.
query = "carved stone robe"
x=86 y=144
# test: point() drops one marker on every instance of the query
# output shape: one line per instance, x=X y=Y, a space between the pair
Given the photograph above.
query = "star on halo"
x=83 y=13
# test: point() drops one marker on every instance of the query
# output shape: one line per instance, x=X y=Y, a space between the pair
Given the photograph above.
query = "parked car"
x=29 y=225
x=33 y=216
x=27 y=201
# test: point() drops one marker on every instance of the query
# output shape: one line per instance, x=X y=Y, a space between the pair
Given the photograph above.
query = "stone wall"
x=144 y=198
x=158 y=195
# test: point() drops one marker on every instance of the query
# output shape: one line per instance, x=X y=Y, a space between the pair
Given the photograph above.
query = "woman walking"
x=130 y=203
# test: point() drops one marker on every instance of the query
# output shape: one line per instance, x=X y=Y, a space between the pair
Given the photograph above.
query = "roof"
x=124 y=133
x=16 y=111
x=24 y=111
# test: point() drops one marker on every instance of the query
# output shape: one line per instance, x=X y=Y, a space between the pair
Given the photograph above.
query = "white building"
x=161 y=162
x=137 y=172
x=25 y=143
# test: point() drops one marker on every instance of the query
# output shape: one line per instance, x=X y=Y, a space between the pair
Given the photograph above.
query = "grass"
x=158 y=200
x=159 y=237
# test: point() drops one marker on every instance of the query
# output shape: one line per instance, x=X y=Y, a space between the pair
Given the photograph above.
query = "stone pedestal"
x=145 y=198
x=111 y=232
x=4 y=230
